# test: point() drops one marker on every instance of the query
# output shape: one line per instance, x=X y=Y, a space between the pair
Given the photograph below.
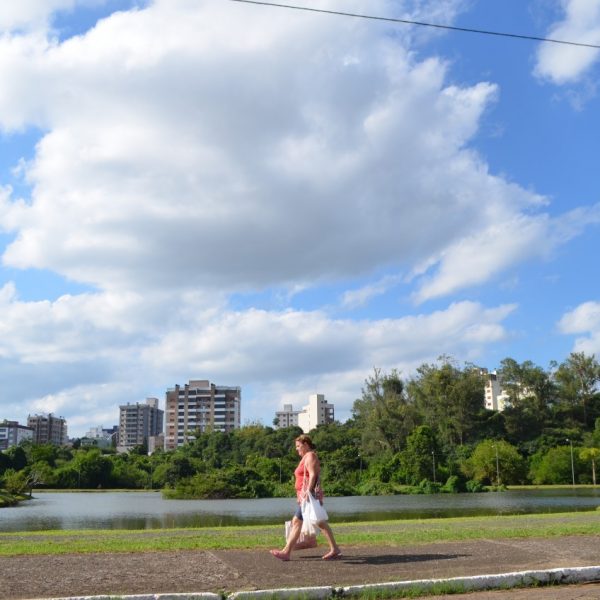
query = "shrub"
x=474 y=486
x=454 y=484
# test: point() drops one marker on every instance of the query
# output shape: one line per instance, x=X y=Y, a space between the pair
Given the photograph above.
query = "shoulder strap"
x=304 y=476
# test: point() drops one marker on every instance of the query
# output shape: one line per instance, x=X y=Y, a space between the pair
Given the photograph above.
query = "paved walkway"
x=238 y=570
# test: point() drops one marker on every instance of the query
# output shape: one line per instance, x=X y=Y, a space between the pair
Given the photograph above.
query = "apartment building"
x=138 y=423
x=12 y=434
x=288 y=417
x=200 y=406
x=495 y=397
x=317 y=412
x=48 y=429
x=100 y=437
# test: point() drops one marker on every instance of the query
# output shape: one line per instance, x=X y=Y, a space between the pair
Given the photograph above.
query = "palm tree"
x=590 y=454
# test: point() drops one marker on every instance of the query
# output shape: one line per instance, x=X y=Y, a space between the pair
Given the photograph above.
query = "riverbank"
x=7 y=499
x=260 y=537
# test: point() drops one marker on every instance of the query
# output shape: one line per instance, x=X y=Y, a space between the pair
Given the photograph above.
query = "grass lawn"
x=393 y=533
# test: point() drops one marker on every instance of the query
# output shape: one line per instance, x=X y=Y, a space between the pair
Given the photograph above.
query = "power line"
x=421 y=23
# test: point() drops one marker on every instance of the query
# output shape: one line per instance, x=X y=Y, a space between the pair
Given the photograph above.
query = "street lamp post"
x=572 y=463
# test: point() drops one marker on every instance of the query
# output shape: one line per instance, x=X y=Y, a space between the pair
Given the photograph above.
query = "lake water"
x=148 y=510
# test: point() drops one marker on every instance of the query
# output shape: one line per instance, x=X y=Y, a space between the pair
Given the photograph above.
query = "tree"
x=591 y=454
x=18 y=457
x=128 y=473
x=383 y=414
x=531 y=393
x=5 y=462
x=93 y=469
x=554 y=466
x=41 y=474
x=495 y=461
x=42 y=453
x=179 y=467
x=528 y=386
x=596 y=434
x=449 y=400
x=15 y=482
x=418 y=458
x=577 y=379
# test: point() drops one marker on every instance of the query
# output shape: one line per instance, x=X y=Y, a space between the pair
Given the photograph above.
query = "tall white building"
x=317 y=412
x=495 y=397
x=200 y=406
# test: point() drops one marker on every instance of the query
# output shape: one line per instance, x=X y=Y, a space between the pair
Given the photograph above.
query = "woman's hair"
x=305 y=439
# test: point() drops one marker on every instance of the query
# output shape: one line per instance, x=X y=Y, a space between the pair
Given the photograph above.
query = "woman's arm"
x=313 y=468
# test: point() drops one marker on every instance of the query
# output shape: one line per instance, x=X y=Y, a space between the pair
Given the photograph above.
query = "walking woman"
x=307 y=475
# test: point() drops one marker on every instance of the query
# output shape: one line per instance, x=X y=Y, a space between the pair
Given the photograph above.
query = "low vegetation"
x=7 y=499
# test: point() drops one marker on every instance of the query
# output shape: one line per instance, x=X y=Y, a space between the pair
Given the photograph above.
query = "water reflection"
x=148 y=510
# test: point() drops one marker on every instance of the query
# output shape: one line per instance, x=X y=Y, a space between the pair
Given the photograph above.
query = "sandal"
x=333 y=555
x=280 y=555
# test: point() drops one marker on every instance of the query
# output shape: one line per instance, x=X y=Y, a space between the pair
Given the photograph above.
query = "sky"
x=284 y=200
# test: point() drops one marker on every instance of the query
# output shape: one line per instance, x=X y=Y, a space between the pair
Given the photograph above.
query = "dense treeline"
x=428 y=433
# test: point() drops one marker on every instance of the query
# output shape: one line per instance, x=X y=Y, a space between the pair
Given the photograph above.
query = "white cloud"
x=512 y=240
x=584 y=319
x=184 y=149
x=471 y=260
x=362 y=296
x=265 y=345
x=29 y=14
x=563 y=64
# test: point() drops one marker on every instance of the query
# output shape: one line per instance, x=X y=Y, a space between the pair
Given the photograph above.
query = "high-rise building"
x=317 y=412
x=200 y=406
x=12 y=434
x=139 y=422
x=48 y=429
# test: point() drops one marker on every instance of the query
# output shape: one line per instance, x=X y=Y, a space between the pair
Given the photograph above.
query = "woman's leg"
x=293 y=536
x=295 y=530
x=334 y=549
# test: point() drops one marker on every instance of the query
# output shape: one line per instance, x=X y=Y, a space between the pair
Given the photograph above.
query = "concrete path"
x=234 y=572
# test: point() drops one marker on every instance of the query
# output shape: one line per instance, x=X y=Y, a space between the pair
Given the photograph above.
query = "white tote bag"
x=312 y=514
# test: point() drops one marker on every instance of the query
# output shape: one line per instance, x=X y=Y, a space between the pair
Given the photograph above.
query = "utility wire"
x=422 y=24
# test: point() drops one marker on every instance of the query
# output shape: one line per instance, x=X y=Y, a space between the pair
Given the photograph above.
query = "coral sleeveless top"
x=302 y=478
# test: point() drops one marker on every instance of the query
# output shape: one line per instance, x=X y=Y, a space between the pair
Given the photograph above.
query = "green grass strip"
x=392 y=533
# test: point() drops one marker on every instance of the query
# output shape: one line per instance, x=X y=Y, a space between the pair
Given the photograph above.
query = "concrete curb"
x=487 y=582
x=460 y=584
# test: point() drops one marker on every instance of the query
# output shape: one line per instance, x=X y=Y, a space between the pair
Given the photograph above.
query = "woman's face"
x=301 y=448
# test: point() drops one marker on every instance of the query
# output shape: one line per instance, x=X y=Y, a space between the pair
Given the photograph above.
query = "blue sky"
x=284 y=200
